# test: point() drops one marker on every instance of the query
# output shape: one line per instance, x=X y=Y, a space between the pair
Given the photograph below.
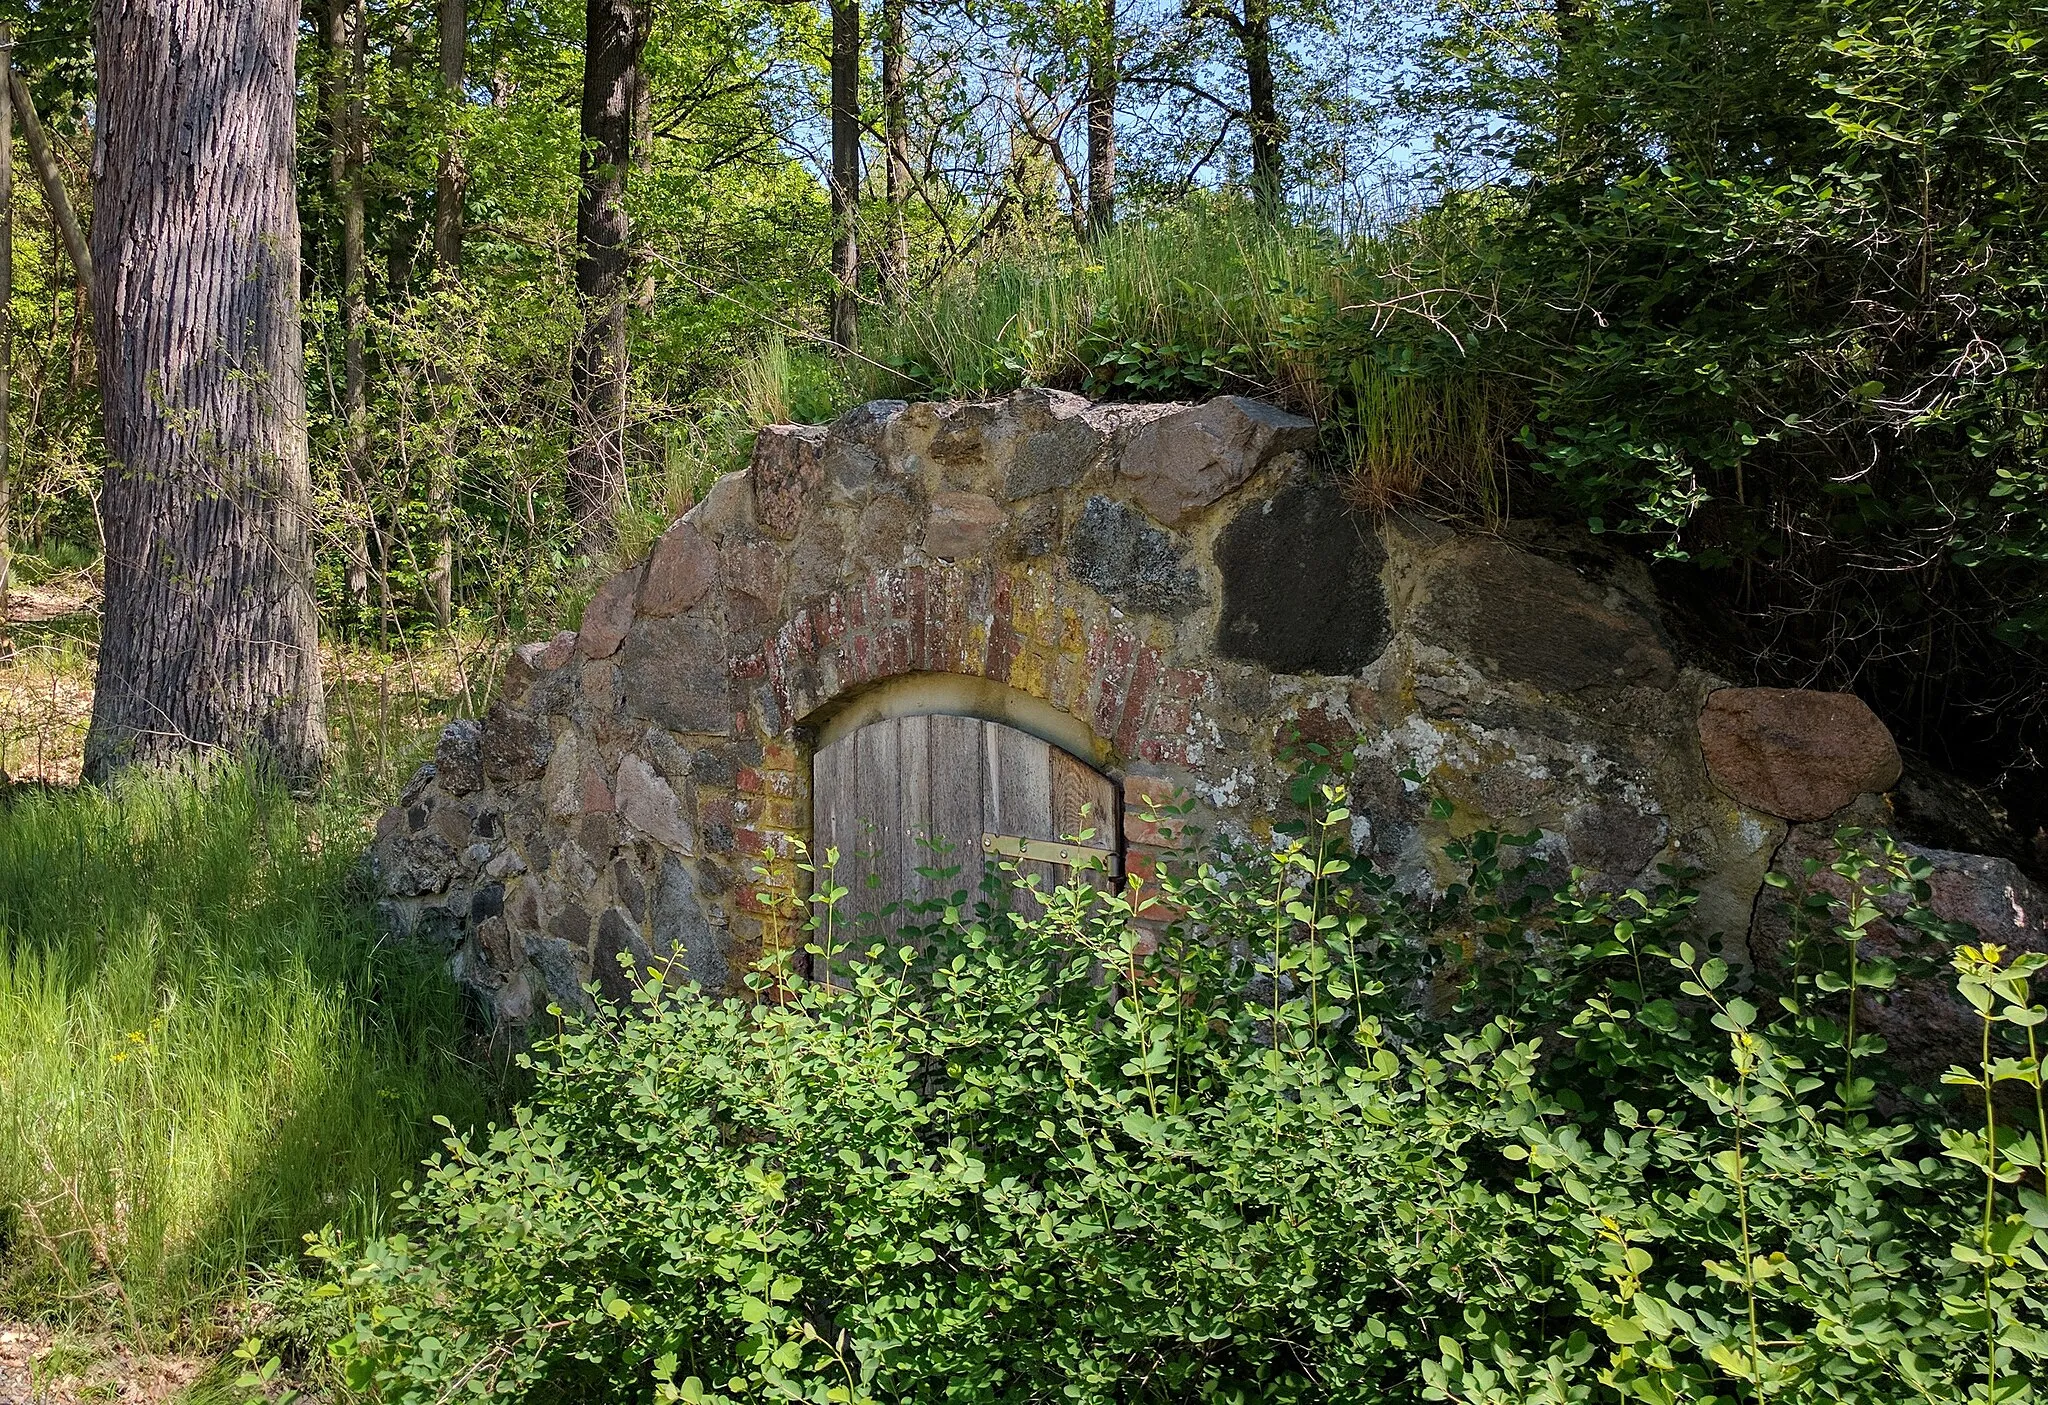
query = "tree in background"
x=342 y=81
x=894 y=264
x=210 y=634
x=1104 y=63
x=845 y=172
x=615 y=37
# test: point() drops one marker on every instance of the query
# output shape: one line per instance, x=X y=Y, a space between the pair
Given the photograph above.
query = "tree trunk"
x=895 y=259
x=210 y=640
x=6 y=342
x=450 y=180
x=845 y=171
x=45 y=161
x=1262 y=108
x=1102 y=86
x=452 y=20
x=401 y=237
x=643 y=163
x=346 y=46
x=615 y=36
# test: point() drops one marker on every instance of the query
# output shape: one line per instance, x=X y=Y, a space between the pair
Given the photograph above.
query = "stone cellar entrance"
x=954 y=636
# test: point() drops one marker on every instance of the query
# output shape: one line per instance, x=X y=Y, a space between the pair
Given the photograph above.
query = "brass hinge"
x=1067 y=855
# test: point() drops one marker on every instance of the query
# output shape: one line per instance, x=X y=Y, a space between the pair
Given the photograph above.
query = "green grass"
x=1206 y=302
x=206 y=1049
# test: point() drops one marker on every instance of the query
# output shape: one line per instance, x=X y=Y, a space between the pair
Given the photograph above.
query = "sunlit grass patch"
x=206 y=1049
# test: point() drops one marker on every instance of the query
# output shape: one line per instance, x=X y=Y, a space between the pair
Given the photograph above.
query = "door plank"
x=957 y=792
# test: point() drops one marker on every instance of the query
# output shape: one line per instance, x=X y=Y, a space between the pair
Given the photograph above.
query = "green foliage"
x=1769 y=277
x=205 y=1050
x=1316 y=1139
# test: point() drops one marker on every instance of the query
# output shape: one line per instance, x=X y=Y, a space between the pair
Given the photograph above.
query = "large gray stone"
x=680 y=926
x=962 y=524
x=868 y=425
x=1519 y=617
x=515 y=745
x=560 y=967
x=649 y=804
x=786 y=475
x=1054 y=448
x=1179 y=464
x=529 y=662
x=1924 y=1021
x=459 y=758
x=681 y=570
x=1301 y=584
x=1134 y=563
x=620 y=958
x=609 y=615
x=674 y=672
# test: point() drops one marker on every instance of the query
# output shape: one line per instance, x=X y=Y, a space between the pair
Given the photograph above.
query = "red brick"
x=1111 y=684
x=896 y=653
x=1170 y=719
x=1001 y=654
x=916 y=616
x=1137 y=700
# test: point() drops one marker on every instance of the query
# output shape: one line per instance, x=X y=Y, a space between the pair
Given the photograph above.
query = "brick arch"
x=956 y=695
x=1034 y=633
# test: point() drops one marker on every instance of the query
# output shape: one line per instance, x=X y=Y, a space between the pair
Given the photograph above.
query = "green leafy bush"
x=1310 y=1139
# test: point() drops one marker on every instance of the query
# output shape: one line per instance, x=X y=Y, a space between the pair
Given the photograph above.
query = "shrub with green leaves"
x=1278 y=1132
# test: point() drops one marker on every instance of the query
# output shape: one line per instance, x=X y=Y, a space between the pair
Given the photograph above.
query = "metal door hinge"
x=1051 y=851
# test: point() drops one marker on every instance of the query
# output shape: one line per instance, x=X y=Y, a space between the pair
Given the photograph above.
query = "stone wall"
x=1164 y=589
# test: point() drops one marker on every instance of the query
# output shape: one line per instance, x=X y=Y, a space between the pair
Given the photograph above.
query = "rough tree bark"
x=643 y=163
x=845 y=172
x=615 y=36
x=209 y=641
x=894 y=263
x=1102 y=91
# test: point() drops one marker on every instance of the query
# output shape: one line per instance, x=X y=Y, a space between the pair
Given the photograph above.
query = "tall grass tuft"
x=1234 y=288
x=206 y=1051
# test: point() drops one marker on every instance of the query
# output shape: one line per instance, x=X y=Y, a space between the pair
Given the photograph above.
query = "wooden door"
x=904 y=798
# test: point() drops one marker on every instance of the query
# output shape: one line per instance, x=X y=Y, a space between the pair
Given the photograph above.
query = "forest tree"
x=210 y=635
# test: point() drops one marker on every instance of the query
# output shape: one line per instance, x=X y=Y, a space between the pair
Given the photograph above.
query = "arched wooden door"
x=904 y=797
